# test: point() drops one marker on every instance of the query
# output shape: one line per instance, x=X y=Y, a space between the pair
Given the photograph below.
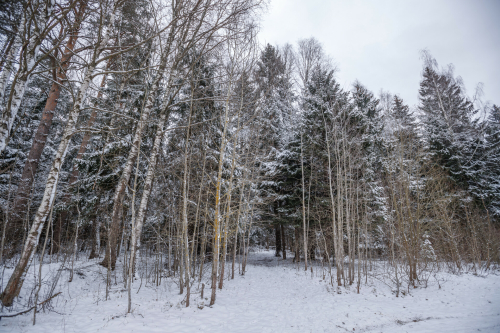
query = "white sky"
x=379 y=42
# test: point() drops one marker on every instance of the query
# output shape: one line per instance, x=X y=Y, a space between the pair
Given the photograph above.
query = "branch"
x=26 y=311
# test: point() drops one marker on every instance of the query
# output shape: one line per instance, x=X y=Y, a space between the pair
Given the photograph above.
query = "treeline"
x=162 y=129
x=365 y=177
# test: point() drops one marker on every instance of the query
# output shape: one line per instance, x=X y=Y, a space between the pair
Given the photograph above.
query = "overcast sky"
x=379 y=42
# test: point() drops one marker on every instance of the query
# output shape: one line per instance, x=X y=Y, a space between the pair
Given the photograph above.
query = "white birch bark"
x=148 y=185
x=110 y=257
x=131 y=267
x=16 y=280
x=10 y=59
x=217 y=219
x=125 y=176
x=303 y=202
x=336 y=244
x=10 y=109
x=185 y=240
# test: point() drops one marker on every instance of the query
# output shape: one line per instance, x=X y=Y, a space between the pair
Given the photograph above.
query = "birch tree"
x=16 y=280
x=42 y=133
x=35 y=25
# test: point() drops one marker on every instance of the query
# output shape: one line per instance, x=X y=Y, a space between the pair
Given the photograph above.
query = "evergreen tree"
x=449 y=129
x=369 y=124
x=274 y=89
x=488 y=189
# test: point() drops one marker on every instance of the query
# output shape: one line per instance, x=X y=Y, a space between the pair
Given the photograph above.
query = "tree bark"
x=303 y=202
x=297 y=245
x=111 y=245
x=217 y=218
x=277 y=233
x=63 y=216
x=31 y=165
x=11 y=53
x=114 y=230
x=9 y=111
x=283 y=241
x=16 y=280
x=96 y=241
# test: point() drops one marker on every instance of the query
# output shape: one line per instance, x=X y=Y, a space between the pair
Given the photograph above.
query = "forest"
x=159 y=143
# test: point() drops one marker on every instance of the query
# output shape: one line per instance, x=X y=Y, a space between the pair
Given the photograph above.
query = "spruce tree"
x=489 y=180
x=449 y=128
x=274 y=89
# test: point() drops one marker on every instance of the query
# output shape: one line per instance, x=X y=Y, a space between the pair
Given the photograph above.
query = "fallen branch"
x=26 y=311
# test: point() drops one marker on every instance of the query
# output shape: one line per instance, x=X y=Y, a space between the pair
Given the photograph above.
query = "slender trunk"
x=195 y=243
x=110 y=258
x=236 y=232
x=185 y=236
x=228 y=206
x=245 y=254
x=224 y=228
x=217 y=219
x=131 y=268
x=96 y=225
x=303 y=202
x=283 y=241
x=148 y=185
x=9 y=61
x=42 y=133
x=6 y=52
x=297 y=245
x=6 y=216
x=9 y=112
x=203 y=243
x=75 y=245
x=277 y=234
x=40 y=265
x=16 y=280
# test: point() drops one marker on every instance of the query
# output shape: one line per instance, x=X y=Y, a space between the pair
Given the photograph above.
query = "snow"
x=273 y=296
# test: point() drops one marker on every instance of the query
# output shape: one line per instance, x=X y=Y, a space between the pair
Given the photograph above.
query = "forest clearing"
x=163 y=167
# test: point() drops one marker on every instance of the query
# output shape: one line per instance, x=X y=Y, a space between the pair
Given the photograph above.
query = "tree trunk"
x=277 y=233
x=96 y=225
x=9 y=63
x=185 y=233
x=297 y=245
x=148 y=185
x=16 y=280
x=114 y=230
x=31 y=165
x=228 y=205
x=9 y=112
x=5 y=54
x=110 y=257
x=236 y=232
x=303 y=202
x=283 y=241
x=10 y=56
x=217 y=218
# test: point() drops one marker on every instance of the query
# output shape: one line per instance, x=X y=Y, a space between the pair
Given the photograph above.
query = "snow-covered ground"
x=273 y=296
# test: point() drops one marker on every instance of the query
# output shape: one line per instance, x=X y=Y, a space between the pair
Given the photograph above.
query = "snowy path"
x=272 y=297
